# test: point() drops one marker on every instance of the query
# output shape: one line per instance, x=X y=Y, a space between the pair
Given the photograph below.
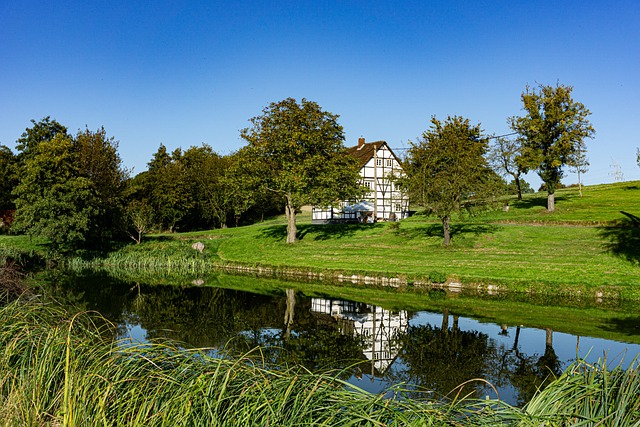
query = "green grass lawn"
x=524 y=248
x=528 y=249
x=599 y=204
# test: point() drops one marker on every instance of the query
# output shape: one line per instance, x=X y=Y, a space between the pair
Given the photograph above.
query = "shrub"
x=437 y=277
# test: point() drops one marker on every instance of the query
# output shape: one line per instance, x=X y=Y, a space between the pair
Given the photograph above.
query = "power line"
x=488 y=137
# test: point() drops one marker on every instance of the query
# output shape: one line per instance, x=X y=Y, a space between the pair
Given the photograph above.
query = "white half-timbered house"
x=384 y=202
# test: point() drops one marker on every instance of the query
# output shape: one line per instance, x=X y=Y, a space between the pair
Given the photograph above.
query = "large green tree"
x=8 y=177
x=167 y=188
x=446 y=167
x=205 y=174
x=98 y=160
x=52 y=200
x=8 y=181
x=44 y=130
x=553 y=130
x=297 y=150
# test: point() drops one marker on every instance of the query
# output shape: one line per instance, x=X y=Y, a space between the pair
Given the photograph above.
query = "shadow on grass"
x=627 y=325
x=319 y=231
x=532 y=202
x=622 y=239
x=435 y=230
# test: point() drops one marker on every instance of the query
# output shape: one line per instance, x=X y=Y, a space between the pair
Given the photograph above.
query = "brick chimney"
x=360 y=142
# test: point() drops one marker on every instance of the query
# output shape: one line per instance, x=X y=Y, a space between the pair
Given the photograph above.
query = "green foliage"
x=553 y=132
x=62 y=370
x=98 y=161
x=601 y=396
x=544 y=187
x=437 y=277
x=524 y=188
x=297 y=151
x=204 y=173
x=442 y=359
x=139 y=217
x=52 y=199
x=8 y=178
x=504 y=157
x=168 y=188
x=195 y=189
x=58 y=369
x=446 y=166
x=44 y=130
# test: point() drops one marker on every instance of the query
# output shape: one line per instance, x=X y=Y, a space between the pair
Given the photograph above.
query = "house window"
x=367 y=184
x=398 y=207
x=378 y=162
x=389 y=162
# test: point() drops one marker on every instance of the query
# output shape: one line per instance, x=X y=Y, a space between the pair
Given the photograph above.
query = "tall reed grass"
x=58 y=370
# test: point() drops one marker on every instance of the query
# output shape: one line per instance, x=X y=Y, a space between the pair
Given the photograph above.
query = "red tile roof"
x=365 y=152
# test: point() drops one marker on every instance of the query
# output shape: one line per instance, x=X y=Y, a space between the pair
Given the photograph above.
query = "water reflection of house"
x=378 y=328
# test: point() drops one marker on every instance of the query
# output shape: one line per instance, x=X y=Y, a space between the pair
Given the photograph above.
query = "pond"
x=374 y=348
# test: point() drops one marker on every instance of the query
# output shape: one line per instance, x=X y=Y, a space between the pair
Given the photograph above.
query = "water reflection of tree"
x=530 y=373
x=442 y=358
x=301 y=340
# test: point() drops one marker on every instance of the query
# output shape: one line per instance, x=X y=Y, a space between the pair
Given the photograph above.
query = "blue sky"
x=184 y=73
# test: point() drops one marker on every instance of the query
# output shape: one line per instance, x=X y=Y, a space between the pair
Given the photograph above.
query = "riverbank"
x=587 y=248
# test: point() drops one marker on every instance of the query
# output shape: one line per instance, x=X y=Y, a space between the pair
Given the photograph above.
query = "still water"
x=373 y=348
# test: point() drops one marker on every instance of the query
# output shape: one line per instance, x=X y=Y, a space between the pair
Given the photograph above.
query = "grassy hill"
x=586 y=247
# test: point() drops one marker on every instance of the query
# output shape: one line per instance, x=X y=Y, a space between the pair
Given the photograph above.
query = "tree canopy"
x=52 y=199
x=8 y=177
x=297 y=150
x=553 y=130
x=44 y=130
x=446 y=166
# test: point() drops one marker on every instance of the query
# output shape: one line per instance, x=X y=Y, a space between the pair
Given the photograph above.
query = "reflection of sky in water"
x=531 y=342
x=135 y=333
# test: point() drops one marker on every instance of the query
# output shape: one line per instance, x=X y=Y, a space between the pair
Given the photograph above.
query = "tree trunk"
x=551 y=202
x=446 y=229
x=517 y=179
x=290 y=211
x=548 y=339
x=445 y=321
x=290 y=312
x=579 y=184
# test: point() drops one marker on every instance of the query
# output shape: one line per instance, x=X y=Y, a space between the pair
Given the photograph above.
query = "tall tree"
x=167 y=188
x=52 y=200
x=8 y=181
x=553 y=130
x=8 y=177
x=504 y=157
x=446 y=166
x=297 y=150
x=241 y=188
x=205 y=172
x=44 y=130
x=99 y=161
